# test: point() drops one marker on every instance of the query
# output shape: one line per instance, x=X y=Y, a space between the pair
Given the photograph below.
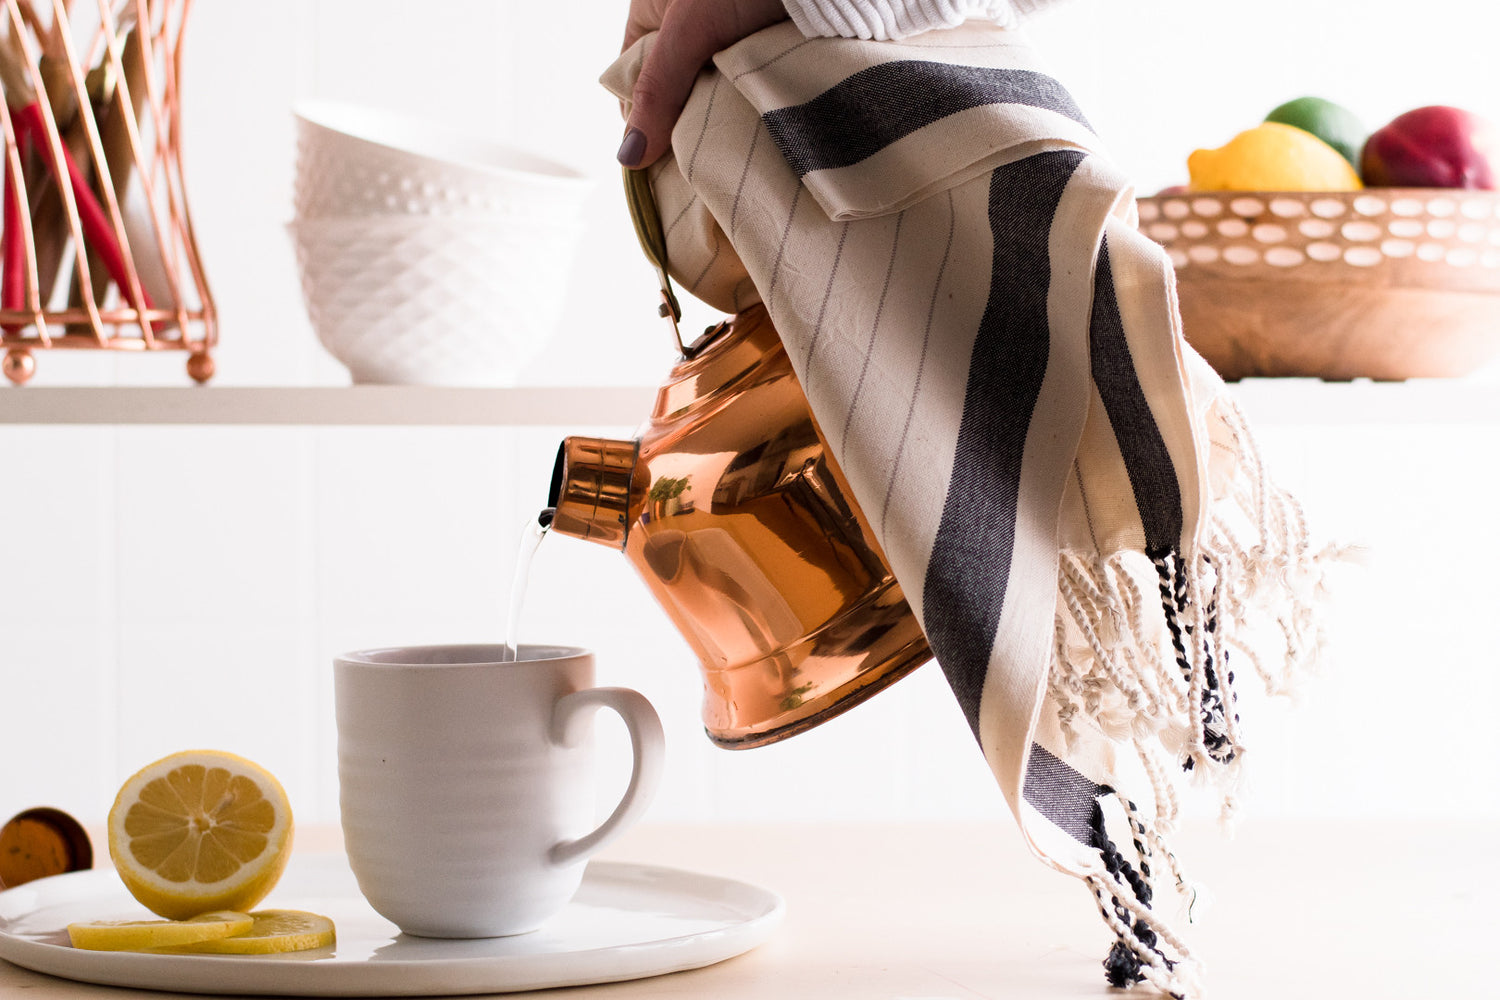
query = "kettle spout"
x=591 y=489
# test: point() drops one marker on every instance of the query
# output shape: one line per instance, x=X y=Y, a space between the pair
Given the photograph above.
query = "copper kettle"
x=732 y=510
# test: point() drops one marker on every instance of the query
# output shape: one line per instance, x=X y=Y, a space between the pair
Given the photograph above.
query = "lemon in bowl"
x=1272 y=156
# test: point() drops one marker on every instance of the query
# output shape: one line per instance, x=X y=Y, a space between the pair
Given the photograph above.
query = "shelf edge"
x=1270 y=402
x=328 y=405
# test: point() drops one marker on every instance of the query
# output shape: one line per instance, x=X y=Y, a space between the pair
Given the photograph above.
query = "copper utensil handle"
x=95 y=222
x=647 y=221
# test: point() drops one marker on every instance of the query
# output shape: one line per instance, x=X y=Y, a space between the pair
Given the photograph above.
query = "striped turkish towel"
x=1070 y=502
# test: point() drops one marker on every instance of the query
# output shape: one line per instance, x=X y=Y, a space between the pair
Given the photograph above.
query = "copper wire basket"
x=1383 y=283
x=97 y=249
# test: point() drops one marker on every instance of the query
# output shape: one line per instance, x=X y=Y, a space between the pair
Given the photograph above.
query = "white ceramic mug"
x=466 y=781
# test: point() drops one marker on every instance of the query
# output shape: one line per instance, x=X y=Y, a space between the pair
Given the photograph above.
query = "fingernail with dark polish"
x=633 y=148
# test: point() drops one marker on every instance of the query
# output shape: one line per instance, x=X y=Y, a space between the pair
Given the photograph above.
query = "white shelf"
x=1307 y=401
x=1266 y=402
x=328 y=406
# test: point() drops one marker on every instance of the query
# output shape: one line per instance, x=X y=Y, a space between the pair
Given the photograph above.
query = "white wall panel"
x=244 y=689
x=57 y=717
x=414 y=528
x=212 y=524
x=56 y=504
x=243 y=67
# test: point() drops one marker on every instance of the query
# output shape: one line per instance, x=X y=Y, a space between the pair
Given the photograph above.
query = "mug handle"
x=648 y=746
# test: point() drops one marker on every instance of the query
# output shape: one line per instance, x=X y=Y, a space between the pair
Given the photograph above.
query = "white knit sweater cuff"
x=893 y=19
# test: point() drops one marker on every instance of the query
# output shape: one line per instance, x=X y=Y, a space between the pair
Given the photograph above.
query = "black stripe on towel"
x=861 y=115
x=1061 y=794
x=964 y=591
x=1072 y=803
x=1153 y=477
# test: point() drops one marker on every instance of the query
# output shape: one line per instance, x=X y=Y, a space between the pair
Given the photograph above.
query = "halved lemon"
x=141 y=935
x=274 y=931
x=198 y=831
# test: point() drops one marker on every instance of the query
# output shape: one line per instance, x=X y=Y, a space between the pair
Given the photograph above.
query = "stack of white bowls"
x=429 y=257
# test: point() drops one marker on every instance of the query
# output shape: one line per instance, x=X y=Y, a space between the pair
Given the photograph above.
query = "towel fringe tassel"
x=1154 y=673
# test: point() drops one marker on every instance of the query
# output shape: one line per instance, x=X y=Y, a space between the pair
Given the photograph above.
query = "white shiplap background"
x=170 y=587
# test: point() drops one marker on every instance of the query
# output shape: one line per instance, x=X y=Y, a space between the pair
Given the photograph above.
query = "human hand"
x=691 y=31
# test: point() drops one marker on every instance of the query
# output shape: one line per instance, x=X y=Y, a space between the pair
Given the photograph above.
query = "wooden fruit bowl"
x=1385 y=283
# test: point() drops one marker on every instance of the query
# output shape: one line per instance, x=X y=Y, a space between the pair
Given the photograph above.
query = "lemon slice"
x=140 y=935
x=198 y=831
x=274 y=931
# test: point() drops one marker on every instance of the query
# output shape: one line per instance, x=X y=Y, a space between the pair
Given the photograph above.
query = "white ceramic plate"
x=627 y=922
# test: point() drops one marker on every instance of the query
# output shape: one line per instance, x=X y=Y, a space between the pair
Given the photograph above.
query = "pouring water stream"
x=531 y=539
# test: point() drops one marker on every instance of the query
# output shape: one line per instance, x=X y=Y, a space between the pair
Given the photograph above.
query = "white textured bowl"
x=354 y=161
x=433 y=301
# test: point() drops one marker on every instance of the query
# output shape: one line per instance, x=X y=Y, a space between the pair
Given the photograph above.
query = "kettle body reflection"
x=733 y=512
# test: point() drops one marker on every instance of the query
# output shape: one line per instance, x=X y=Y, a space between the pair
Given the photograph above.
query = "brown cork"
x=41 y=842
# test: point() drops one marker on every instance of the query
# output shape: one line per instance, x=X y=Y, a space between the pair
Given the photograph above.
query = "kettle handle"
x=647 y=220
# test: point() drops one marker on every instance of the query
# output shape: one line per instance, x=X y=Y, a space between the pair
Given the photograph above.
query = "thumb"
x=666 y=79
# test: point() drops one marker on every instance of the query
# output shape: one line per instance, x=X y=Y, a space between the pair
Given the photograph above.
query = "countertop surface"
x=940 y=911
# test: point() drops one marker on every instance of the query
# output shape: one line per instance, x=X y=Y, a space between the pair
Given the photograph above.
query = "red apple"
x=1435 y=146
